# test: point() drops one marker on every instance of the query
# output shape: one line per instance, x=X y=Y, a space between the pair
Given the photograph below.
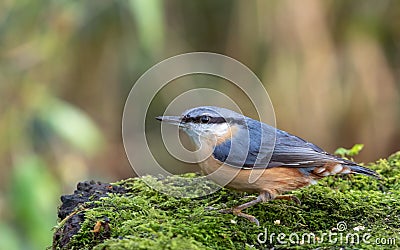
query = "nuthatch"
x=242 y=147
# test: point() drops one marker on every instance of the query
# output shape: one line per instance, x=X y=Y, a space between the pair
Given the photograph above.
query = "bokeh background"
x=332 y=69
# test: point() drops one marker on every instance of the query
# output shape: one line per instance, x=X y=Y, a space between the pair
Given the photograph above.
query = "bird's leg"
x=289 y=198
x=263 y=197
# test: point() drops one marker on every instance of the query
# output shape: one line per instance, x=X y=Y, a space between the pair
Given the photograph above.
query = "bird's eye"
x=204 y=119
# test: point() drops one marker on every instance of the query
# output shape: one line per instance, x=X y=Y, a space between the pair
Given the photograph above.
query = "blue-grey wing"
x=269 y=147
x=291 y=150
x=288 y=151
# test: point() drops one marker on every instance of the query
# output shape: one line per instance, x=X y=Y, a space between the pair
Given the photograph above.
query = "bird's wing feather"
x=289 y=151
x=293 y=151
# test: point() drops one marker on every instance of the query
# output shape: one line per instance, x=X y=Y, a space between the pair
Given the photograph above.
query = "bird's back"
x=263 y=146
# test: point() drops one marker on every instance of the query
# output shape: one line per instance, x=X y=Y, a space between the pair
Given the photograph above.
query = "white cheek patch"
x=220 y=129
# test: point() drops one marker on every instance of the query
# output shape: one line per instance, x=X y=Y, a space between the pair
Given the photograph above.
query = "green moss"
x=146 y=219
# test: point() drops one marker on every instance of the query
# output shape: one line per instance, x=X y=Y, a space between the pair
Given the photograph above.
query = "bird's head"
x=208 y=122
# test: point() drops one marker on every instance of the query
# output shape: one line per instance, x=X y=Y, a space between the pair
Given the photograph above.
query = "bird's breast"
x=274 y=180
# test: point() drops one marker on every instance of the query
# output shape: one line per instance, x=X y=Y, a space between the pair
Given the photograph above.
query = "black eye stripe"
x=217 y=120
x=198 y=119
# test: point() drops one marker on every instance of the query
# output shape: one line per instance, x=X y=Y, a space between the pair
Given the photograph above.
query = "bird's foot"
x=263 y=197
x=289 y=198
x=251 y=218
x=238 y=212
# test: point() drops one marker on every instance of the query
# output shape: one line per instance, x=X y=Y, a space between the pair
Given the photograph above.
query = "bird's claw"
x=233 y=211
x=251 y=218
x=296 y=200
x=289 y=198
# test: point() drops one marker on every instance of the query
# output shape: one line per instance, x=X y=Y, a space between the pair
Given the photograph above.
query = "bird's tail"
x=362 y=170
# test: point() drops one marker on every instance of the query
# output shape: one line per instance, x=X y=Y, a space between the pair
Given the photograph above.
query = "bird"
x=247 y=155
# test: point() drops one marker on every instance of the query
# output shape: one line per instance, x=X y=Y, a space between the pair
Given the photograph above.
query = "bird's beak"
x=174 y=120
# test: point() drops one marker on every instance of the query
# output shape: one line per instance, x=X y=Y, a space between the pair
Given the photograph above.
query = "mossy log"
x=131 y=215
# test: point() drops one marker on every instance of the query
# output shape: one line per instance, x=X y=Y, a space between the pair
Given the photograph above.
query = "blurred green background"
x=332 y=69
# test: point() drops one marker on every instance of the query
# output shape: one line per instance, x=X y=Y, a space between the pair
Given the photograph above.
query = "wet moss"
x=143 y=218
